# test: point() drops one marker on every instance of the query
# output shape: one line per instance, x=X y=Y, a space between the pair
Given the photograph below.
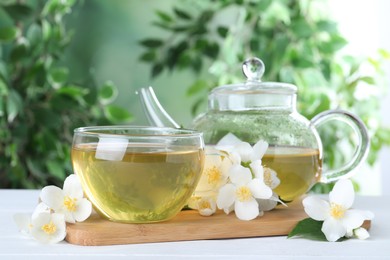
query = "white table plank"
x=14 y=245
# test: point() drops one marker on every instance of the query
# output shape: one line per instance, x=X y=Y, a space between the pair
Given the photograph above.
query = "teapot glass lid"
x=253 y=69
x=253 y=94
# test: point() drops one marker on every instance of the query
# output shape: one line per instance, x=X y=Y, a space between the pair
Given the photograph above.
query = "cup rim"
x=166 y=132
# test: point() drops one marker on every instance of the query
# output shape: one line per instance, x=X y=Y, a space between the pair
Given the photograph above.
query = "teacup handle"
x=362 y=147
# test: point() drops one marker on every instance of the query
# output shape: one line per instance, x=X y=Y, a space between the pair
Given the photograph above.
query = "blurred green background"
x=107 y=40
x=67 y=63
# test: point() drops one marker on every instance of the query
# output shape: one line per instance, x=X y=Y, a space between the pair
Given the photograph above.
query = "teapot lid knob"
x=253 y=69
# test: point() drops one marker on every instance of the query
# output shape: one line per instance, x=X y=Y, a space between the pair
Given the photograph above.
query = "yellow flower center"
x=337 y=211
x=243 y=194
x=204 y=205
x=70 y=203
x=49 y=228
x=214 y=175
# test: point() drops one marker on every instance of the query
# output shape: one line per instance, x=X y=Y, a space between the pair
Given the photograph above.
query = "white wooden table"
x=14 y=245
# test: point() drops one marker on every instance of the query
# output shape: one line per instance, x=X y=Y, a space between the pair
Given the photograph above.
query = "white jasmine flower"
x=215 y=173
x=24 y=220
x=270 y=178
x=227 y=142
x=48 y=228
x=248 y=153
x=242 y=193
x=206 y=206
x=268 y=204
x=242 y=152
x=68 y=201
x=339 y=219
x=361 y=233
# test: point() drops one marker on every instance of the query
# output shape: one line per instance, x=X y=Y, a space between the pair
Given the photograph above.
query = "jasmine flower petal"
x=49 y=228
x=247 y=210
x=259 y=189
x=84 y=207
x=353 y=218
x=244 y=149
x=316 y=208
x=342 y=193
x=72 y=187
x=227 y=142
x=268 y=204
x=23 y=222
x=257 y=169
x=361 y=233
x=259 y=150
x=52 y=196
x=333 y=229
x=226 y=196
x=239 y=175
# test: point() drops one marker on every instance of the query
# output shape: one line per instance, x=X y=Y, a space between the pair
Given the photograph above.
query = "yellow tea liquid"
x=297 y=168
x=143 y=186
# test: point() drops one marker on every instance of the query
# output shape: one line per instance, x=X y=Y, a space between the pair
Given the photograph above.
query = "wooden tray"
x=187 y=225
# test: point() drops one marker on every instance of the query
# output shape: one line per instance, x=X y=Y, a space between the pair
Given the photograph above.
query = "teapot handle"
x=362 y=148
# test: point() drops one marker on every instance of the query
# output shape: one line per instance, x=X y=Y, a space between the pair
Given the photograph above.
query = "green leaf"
x=8 y=33
x=34 y=34
x=162 y=25
x=334 y=44
x=277 y=11
x=308 y=228
x=58 y=76
x=182 y=14
x=197 y=64
x=197 y=87
x=301 y=28
x=201 y=44
x=108 y=92
x=368 y=80
x=18 y=11
x=47 y=117
x=205 y=17
x=34 y=167
x=174 y=54
x=57 y=8
x=157 y=69
x=73 y=91
x=164 y=16
x=3 y=89
x=14 y=105
x=20 y=50
x=384 y=53
x=198 y=29
x=1 y=108
x=148 y=56
x=327 y=26
x=117 y=114
x=3 y=70
x=263 y=5
x=181 y=28
x=195 y=107
x=152 y=43
x=212 y=50
x=46 y=30
x=56 y=169
x=254 y=44
x=222 y=31
x=326 y=69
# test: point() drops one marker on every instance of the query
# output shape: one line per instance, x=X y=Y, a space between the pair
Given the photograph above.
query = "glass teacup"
x=137 y=174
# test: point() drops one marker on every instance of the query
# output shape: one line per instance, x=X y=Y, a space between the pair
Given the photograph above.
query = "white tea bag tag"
x=111 y=149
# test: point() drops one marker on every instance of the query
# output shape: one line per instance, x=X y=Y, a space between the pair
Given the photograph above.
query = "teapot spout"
x=154 y=111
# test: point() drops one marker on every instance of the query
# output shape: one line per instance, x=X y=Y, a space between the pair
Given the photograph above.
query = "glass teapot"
x=257 y=110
